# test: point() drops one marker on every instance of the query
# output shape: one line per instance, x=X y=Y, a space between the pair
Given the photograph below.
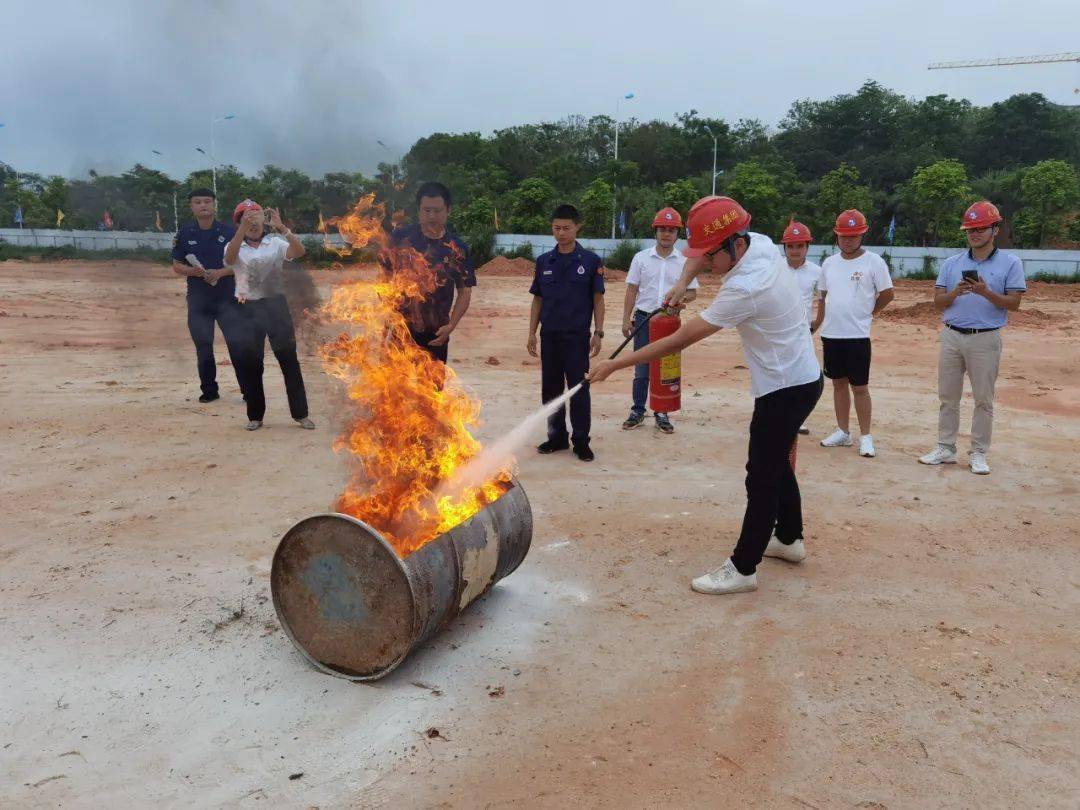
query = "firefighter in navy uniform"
x=568 y=298
x=211 y=291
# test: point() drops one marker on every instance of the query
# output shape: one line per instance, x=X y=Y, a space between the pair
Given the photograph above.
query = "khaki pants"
x=979 y=355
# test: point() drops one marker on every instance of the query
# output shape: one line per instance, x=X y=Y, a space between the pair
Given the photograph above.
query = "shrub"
x=619 y=257
x=522 y=251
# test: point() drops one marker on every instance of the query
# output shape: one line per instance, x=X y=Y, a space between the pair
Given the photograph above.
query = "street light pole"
x=713 y=159
x=213 y=159
x=614 y=203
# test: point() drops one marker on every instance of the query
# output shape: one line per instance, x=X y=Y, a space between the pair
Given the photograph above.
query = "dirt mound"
x=924 y=314
x=501 y=266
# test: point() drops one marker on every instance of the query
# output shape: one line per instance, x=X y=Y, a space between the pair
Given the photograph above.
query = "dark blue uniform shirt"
x=209 y=248
x=447 y=256
x=566 y=284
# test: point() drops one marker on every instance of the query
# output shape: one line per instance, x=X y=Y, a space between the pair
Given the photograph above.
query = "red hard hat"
x=982 y=214
x=795 y=232
x=667 y=218
x=850 y=223
x=246 y=205
x=711 y=222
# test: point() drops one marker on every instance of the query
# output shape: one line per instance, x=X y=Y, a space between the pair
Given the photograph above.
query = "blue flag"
x=892 y=228
x=622 y=222
x=18 y=215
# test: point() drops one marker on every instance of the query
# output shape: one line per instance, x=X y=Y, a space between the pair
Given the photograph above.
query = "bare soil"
x=925 y=654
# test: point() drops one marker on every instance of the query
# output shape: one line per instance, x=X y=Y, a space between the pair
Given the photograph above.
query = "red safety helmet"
x=982 y=214
x=795 y=233
x=246 y=205
x=711 y=222
x=667 y=218
x=851 y=223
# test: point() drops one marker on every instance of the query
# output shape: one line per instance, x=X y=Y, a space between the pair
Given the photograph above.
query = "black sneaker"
x=634 y=420
x=209 y=397
x=583 y=452
x=552 y=446
x=663 y=424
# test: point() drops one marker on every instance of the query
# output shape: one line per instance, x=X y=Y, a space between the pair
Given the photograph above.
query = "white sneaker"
x=939 y=455
x=725 y=579
x=804 y=431
x=979 y=465
x=838 y=438
x=792 y=552
x=866 y=446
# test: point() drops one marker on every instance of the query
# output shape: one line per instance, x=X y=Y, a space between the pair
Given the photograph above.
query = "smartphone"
x=972 y=276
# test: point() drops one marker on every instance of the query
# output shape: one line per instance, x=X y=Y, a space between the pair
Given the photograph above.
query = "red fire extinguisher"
x=665 y=373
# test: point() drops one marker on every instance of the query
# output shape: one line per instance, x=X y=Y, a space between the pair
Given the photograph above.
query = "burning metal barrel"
x=355 y=609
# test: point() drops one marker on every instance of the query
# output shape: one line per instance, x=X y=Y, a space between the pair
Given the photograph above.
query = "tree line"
x=907 y=163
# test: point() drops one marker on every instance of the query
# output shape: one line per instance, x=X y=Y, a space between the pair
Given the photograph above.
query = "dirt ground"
x=925 y=654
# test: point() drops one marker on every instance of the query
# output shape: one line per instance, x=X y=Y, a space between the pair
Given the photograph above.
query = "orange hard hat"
x=982 y=214
x=246 y=205
x=711 y=222
x=795 y=232
x=850 y=223
x=667 y=218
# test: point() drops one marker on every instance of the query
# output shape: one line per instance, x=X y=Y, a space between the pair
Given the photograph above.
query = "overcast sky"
x=314 y=85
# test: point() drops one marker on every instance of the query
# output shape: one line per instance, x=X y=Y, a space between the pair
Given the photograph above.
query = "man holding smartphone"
x=975 y=291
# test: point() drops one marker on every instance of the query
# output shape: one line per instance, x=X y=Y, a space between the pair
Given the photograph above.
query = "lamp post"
x=614 y=205
x=713 y=158
x=213 y=160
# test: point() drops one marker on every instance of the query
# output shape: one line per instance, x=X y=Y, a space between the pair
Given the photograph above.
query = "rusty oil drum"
x=355 y=609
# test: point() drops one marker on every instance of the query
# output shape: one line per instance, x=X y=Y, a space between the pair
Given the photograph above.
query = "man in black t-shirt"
x=432 y=319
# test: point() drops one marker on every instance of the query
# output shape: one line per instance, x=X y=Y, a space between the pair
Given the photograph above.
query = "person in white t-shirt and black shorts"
x=760 y=299
x=796 y=243
x=855 y=286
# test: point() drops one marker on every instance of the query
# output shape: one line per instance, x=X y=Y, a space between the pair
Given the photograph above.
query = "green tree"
x=756 y=188
x=838 y=191
x=680 y=195
x=475 y=221
x=530 y=206
x=597 y=205
x=938 y=194
x=1049 y=189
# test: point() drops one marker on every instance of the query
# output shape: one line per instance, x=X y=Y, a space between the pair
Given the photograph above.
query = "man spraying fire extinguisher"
x=761 y=299
x=653 y=272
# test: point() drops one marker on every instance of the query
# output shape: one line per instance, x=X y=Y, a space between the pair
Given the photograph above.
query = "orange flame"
x=409 y=430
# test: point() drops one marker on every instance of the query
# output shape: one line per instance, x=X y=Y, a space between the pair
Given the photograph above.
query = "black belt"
x=964 y=331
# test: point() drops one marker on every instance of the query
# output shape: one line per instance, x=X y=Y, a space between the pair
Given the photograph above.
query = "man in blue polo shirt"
x=975 y=292
x=198 y=253
x=432 y=318
x=568 y=297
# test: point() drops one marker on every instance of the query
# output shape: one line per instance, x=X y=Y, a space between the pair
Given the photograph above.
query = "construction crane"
x=1008 y=60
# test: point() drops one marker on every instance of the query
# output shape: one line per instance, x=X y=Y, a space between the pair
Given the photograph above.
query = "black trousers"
x=772 y=491
x=564 y=361
x=269 y=318
x=205 y=308
x=422 y=340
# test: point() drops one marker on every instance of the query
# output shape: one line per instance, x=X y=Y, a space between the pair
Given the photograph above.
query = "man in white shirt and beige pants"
x=653 y=272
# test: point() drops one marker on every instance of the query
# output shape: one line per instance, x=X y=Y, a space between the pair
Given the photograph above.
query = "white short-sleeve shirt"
x=655 y=275
x=852 y=287
x=809 y=278
x=760 y=298
x=258 y=269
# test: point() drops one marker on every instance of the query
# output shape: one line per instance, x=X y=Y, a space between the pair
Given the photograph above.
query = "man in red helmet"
x=796 y=241
x=761 y=300
x=855 y=286
x=975 y=291
x=653 y=272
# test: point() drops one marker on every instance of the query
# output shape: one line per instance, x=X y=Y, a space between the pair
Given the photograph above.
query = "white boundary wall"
x=902 y=260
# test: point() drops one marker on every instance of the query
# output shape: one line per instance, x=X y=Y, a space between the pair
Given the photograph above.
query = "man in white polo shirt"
x=796 y=242
x=760 y=299
x=855 y=286
x=653 y=272
x=975 y=291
